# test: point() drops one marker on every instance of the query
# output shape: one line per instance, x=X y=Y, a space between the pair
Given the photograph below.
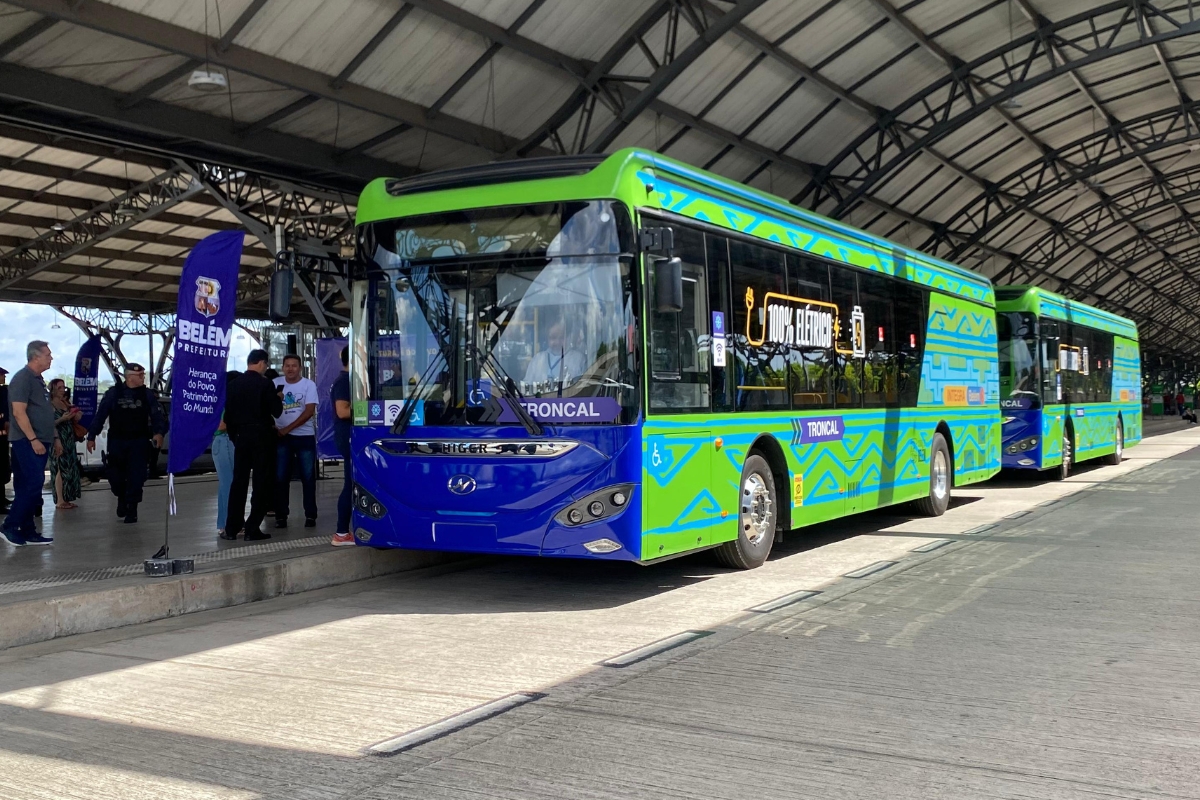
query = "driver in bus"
x=558 y=363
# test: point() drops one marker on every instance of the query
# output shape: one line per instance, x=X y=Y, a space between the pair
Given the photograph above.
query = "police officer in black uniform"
x=134 y=415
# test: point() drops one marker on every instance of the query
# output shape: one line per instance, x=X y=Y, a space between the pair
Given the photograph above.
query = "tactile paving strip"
x=243 y=551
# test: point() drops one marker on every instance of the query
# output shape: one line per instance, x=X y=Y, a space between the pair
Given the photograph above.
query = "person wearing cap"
x=134 y=416
x=5 y=461
x=33 y=437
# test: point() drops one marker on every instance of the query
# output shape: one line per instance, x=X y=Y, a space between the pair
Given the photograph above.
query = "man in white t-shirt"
x=297 y=442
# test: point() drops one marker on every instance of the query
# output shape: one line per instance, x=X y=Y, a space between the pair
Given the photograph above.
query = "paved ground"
x=1050 y=656
x=92 y=537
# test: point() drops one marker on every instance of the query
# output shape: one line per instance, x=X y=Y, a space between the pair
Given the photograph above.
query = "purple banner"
x=817 y=429
x=566 y=409
x=87 y=370
x=329 y=367
x=204 y=326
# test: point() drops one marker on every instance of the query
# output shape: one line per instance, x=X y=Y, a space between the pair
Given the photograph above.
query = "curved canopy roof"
x=1038 y=141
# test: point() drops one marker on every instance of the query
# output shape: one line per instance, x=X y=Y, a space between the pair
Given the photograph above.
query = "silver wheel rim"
x=1066 y=457
x=941 y=475
x=1120 y=441
x=757 y=513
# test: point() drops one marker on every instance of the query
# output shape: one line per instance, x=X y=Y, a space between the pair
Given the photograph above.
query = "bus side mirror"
x=668 y=285
x=280 y=306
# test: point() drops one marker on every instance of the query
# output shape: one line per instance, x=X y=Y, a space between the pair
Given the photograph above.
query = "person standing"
x=251 y=408
x=1180 y=403
x=222 y=453
x=5 y=463
x=343 y=426
x=134 y=415
x=64 y=462
x=297 y=442
x=33 y=436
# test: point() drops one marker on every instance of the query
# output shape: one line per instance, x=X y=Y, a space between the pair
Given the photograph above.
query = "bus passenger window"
x=759 y=327
x=844 y=285
x=811 y=364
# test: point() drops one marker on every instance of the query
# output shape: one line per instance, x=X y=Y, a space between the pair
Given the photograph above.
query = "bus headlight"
x=366 y=503
x=596 y=506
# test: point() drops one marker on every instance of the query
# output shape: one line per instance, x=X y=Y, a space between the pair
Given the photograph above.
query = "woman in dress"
x=64 y=463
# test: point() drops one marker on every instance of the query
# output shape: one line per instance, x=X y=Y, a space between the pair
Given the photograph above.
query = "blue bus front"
x=495 y=383
x=1020 y=390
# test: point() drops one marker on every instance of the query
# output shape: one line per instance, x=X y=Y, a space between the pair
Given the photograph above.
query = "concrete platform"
x=1043 y=650
x=92 y=538
x=92 y=577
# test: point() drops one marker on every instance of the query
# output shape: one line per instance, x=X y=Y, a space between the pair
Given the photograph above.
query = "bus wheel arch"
x=1063 y=471
x=768 y=447
x=941 y=473
x=944 y=429
x=759 y=497
x=1114 y=458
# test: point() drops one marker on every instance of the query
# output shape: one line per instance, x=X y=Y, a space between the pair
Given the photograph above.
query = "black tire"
x=758 y=517
x=941 y=479
x=1063 y=470
x=1114 y=458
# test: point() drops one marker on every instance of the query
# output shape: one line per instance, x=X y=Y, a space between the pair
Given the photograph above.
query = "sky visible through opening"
x=21 y=323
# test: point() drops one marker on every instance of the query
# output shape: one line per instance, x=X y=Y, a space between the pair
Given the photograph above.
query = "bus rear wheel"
x=941 y=479
x=1114 y=457
x=758 y=514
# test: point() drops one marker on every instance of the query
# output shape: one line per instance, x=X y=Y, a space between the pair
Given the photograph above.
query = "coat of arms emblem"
x=208 y=296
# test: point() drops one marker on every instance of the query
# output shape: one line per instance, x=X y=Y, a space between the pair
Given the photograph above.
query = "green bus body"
x=860 y=454
x=1090 y=423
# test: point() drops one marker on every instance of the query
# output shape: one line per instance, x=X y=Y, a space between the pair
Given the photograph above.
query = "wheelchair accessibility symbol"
x=660 y=459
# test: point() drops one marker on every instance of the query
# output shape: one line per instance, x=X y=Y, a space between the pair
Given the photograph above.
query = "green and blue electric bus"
x=626 y=357
x=1070 y=381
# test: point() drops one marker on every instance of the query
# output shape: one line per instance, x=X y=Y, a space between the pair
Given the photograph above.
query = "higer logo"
x=198 y=333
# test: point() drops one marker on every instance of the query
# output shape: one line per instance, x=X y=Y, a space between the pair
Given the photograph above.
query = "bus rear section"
x=1070 y=380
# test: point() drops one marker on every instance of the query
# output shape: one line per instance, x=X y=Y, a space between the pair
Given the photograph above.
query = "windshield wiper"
x=410 y=404
x=508 y=387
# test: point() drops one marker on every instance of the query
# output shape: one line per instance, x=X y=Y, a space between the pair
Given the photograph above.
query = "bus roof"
x=1043 y=302
x=646 y=180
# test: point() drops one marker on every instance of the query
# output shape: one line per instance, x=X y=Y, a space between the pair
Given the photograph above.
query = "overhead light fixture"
x=125 y=209
x=1011 y=104
x=208 y=80
x=55 y=326
x=58 y=226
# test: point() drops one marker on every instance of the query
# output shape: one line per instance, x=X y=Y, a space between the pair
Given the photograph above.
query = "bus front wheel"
x=1063 y=471
x=941 y=479
x=758 y=512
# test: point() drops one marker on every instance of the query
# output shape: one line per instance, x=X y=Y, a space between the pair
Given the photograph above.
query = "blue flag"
x=87 y=367
x=204 y=327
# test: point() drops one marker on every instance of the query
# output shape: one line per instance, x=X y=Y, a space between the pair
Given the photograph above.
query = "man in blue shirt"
x=33 y=434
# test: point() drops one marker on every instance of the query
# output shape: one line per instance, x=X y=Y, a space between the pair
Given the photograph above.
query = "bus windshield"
x=468 y=312
x=1017 y=341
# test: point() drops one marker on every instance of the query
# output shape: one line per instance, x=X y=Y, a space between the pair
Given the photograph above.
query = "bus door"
x=680 y=505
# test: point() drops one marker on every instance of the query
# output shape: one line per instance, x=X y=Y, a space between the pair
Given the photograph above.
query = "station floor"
x=91 y=542
x=1046 y=650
